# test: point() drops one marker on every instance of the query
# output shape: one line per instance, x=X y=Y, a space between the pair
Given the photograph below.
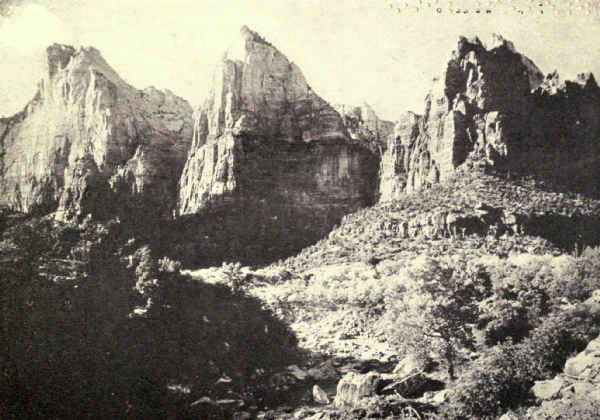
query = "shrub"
x=434 y=313
x=233 y=276
x=165 y=264
x=504 y=319
x=575 y=278
x=559 y=336
x=502 y=377
x=496 y=381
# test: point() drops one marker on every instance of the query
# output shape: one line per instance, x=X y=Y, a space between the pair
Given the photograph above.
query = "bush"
x=575 y=278
x=435 y=313
x=165 y=264
x=497 y=381
x=502 y=377
x=559 y=336
x=503 y=319
x=78 y=347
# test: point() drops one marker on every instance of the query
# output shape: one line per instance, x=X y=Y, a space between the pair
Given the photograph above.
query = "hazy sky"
x=350 y=51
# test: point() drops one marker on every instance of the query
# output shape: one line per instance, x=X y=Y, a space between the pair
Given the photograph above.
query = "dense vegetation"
x=494 y=312
x=93 y=323
x=95 y=320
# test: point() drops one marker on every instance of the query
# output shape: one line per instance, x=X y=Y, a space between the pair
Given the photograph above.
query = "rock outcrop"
x=365 y=126
x=267 y=148
x=573 y=394
x=493 y=105
x=354 y=387
x=89 y=142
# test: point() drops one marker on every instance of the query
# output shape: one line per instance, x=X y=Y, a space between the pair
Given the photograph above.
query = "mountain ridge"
x=457 y=245
x=264 y=140
x=87 y=132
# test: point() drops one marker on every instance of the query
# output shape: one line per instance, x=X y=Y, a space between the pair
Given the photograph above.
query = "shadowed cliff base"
x=253 y=233
x=283 y=197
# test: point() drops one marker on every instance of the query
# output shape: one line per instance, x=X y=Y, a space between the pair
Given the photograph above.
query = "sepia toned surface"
x=299 y=209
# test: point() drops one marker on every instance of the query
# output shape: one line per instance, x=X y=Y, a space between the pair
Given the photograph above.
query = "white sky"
x=350 y=51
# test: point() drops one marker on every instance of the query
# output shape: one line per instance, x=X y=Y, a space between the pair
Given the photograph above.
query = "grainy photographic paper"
x=299 y=209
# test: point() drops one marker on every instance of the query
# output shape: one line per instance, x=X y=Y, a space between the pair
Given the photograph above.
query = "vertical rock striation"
x=268 y=149
x=365 y=126
x=90 y=143
x=474 y=107
x=494 y=105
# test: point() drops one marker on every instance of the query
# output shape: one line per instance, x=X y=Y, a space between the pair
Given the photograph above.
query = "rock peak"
x=587 y=79
x=58 y=56
x=250 y=35
x=70 y=140
x=498 y=41
x=247 y=42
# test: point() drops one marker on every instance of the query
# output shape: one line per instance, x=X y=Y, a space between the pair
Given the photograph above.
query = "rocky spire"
x=88 y=136
x=489 y=104
x=266 y=143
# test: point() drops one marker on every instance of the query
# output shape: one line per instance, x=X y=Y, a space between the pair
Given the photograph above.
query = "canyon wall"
x=89 y=143
x=493 y=105
x=272 y=154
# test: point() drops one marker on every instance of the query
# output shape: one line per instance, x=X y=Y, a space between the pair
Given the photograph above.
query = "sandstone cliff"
x=268 y=149
x=90 y=143
x=365 y=126
x=493 y=104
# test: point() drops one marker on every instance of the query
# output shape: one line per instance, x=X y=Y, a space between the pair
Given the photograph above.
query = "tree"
x=435 y=313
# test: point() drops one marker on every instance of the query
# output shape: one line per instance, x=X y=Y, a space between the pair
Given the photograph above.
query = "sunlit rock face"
x=396 y=158
x=90 y=143
x=365 y=126
x=494 y=105
x=265 y=142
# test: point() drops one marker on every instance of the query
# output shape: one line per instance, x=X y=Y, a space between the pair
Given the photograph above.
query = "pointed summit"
x=265 y=143
x=251 y=35
x=256 y=89
x=498 y=41
x=58 y=56
x=86 y=130
x=247 y=42
x=62 y=58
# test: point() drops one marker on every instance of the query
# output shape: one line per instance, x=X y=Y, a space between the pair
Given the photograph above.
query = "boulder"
x=594 y=299
x=298 y=373
x=326 y=371
x=409 y=365
x=320 y=396
x=576 y=392
x=354 y=387
x=550 y=389
x=405 y=386
x=585 y=365
x=441 y=397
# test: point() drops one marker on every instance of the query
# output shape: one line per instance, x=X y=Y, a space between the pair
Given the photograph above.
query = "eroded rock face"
x=354 y=387
x=396 y=158
x=266 y=144
x=365 y=126
x=493 y=104
x=90 y=143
